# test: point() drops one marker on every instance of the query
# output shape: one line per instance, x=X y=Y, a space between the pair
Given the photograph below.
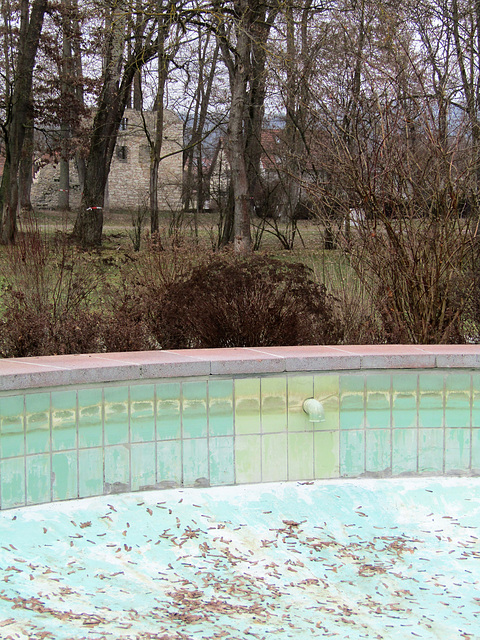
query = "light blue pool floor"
x=390 y=559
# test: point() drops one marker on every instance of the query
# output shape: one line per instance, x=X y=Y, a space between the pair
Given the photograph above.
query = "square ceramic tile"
x=352 y=401
x=90 y=418
x=64 y=475
x=404 y=401
x=247 y=405
x=38 y=478
x=248 y=459
x=476 y=451
x=430 y=451
x=169 y=462
x=404 y=451
x=327 y=391
x=12 y=482
x=300 y=388
x=352 y=453
x=300 y=456
x=116 y=422
x=274 y=404
x=37 y=422
x=194 y=409
x=12 y=434
x=117 y=468
x=142 y=413
x=327 y=455
x=220 y=407
x=64 y=420
x=222 y=469
x=143 y=466
x=430 y=411
x=457 y=450
x=169 y=419
x=90 y=472
x=378 y=451
x=274 y=457
x=378 y=401
x=195 y=462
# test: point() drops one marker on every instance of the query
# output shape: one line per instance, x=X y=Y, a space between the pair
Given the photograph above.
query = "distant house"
x=129 y=178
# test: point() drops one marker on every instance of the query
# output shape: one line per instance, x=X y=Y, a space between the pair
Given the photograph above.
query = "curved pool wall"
x=89 y=425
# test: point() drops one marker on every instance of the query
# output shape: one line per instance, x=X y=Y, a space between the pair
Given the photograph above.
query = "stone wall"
x=128 y=182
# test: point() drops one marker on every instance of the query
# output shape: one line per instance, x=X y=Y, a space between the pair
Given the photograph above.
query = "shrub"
x=246 y=302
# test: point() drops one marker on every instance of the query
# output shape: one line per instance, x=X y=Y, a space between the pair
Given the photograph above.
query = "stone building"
x=129 y=178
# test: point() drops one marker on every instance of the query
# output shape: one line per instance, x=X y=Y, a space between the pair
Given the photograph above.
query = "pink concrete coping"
x=23 y=373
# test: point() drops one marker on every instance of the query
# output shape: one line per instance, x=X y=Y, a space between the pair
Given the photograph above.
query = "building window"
x=122 y=153
x=123 y=124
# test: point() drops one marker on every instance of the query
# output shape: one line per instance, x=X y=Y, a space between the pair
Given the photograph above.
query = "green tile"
x=327 y=391
x=476 y=450
x=168 y=411
x=90 y=472
x=404 y=451
x=405 y=383
x=12 y=438
x=220 y=407
x=64 y=475
x=327 y=462
x=142 y=413
x=476 y=400
x=195 y=462
x=143 y=466
x=378 y=451
x=117 y=467
x=404 y=407
x=64 y=420
x=38 y=478
x=221 y=461
x=352 y=453
x=457 y=449
x=457 y=408
x=37 y=422
x=12 y=482
x=116 y=415
x=274 y=457
x=430 y=411
x=90 y=420
x=378 y=401
x=274 y=404
x=352 y=407
x=248 y=459
x=300 y=456
x=169 y=462
x=430 y=451
x=299 y=389
x=194 y=409
x=247 y=405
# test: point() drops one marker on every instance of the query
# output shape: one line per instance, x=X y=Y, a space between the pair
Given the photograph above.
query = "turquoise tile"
x=327 y=454
x=430 y=451
x=169 y=462
x=248 y=459
x=64 y=475
x=12 y=435
x=274 y=457
x=12 y=482
x=142 y=413
x=194 y=409
x=458 y=398
x=458 y=382
x=195 y=462
x=90 y=418
x=405 y=383
x=38 y=478
x=476 y=400
x=274 y=404
x=378 y=401
x=143 y=466
x=64 y=420
x=404 y=407
x=378 y=451
x=168 y=411
x=299 y=388
x=327 y=391
x=37 y=422
x=247 y=406
x=90 y=472
x=300 y=456
x=221 y=461
x=116 y=415
x=117 y=467
x=352 y=453
x=404 y=451
x=457 y=450
x=220 y=407
x=430 y=411
x=476 y=451
x=352 y=402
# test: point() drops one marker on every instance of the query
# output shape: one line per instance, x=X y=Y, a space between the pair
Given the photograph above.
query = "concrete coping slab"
x=24 y=373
